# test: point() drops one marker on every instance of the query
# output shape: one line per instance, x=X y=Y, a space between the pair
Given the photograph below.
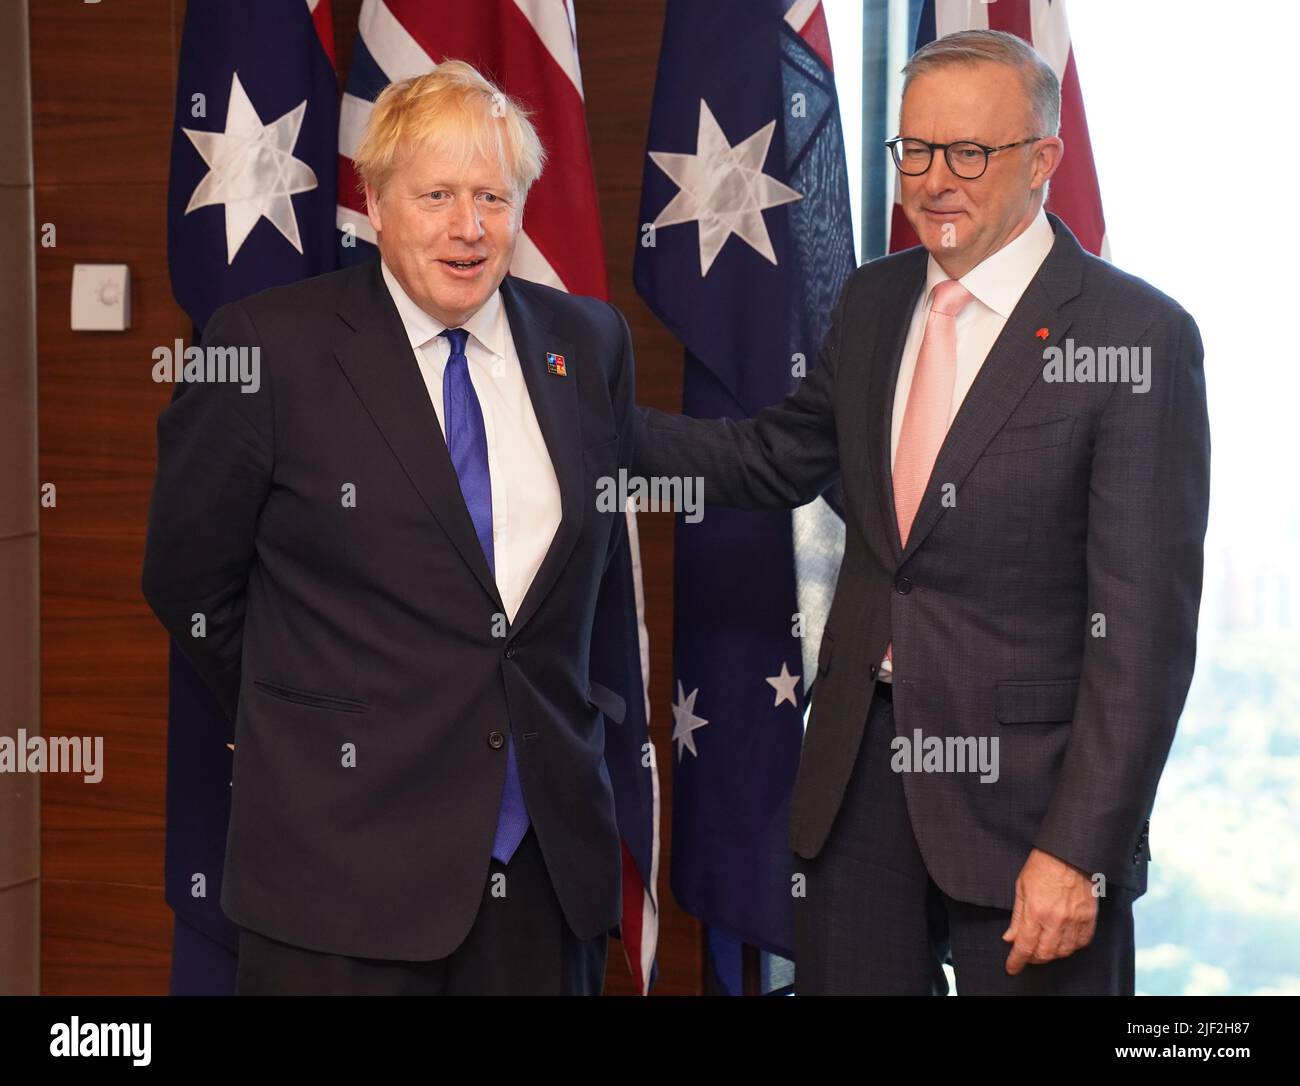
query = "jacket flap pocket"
x=313 y=698
x=1036 y=701
x=609 y=703
x=1039 y=435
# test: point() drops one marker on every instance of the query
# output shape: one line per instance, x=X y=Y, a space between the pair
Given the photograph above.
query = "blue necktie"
x=467 y=443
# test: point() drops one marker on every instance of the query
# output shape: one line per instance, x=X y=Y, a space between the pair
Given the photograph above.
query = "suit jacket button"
x=903 y=585
x=510 y=651
x=496 y=740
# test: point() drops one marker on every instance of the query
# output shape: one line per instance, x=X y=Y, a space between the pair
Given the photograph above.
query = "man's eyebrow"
x=429 y=186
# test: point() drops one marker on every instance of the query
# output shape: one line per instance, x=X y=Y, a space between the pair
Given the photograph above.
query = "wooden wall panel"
x=103 y=85
x=103 y=90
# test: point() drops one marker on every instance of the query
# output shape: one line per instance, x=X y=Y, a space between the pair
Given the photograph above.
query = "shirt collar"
x=1000 y=279
x=484 y=325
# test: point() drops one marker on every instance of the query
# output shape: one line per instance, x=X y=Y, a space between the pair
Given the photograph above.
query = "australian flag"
x=251 y=205
x=746 y=242
x=254 y=150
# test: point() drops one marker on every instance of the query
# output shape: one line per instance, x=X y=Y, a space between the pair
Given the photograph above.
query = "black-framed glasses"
x=966 y=158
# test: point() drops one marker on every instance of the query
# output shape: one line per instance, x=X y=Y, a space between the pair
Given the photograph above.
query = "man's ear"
x=372 y=207
x=1047 y=158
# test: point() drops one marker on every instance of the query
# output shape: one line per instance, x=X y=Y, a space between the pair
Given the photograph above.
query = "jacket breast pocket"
x=312 y=698
x=1038 y=435
x=1036 y=701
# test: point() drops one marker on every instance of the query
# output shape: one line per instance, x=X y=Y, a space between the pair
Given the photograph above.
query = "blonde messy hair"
x=456 y=108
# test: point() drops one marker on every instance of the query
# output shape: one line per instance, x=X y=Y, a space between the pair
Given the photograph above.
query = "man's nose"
x=939 y=178
x=465 y=221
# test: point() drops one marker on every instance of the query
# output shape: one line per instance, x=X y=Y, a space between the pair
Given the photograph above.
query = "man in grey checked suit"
x=1021 y=434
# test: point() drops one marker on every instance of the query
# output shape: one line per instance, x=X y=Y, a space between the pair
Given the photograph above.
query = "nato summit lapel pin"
x=555 y=365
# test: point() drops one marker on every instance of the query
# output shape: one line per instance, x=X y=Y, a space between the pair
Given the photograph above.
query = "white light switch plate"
x=101 y=298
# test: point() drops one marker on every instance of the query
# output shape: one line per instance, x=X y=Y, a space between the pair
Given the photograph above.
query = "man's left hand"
x=1055 y=912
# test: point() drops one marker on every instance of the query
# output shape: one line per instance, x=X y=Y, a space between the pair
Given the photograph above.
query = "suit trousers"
x=873 y=922
x=520 y=944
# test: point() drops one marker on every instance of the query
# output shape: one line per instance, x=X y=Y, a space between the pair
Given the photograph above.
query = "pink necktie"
x=925 y=421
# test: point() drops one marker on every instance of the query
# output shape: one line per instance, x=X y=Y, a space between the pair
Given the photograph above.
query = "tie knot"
x=458 y=337
x=950 y=298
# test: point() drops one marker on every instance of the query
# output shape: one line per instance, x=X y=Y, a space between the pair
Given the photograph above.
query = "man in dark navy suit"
x=384 y=560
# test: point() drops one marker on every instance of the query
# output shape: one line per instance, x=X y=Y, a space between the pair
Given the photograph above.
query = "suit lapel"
x=1014 y=362
x=890 y=338
x=555 y=403
x=381 y=367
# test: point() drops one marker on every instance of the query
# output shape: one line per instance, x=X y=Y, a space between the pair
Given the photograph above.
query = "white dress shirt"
x=525 y=491
x=996 y=283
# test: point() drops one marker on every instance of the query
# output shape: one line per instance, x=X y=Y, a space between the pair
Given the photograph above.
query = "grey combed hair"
x=1042 y=88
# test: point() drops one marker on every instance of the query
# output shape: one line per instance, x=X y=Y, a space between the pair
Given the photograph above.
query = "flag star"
x=784 y=685
x=685 y=721
x=252 y=170
x=723 y=188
